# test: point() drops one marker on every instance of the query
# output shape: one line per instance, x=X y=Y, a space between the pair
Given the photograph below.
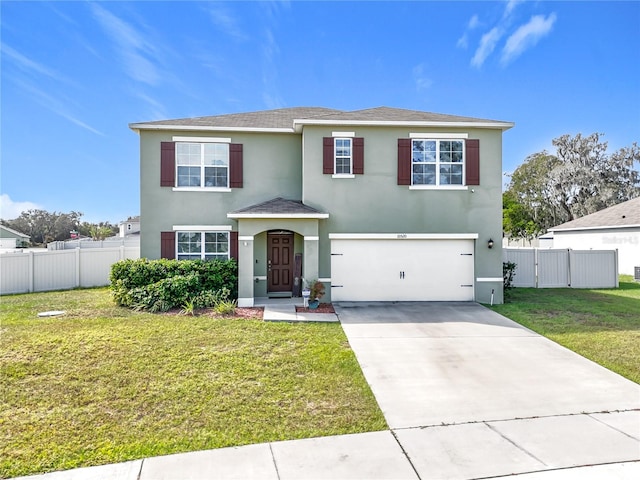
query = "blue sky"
x=75 y=74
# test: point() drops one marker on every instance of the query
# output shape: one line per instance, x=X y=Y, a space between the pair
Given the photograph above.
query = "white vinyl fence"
x=561 y=268
x=31 y=271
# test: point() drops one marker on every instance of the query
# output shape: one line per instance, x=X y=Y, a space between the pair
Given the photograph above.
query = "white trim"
x=438 y=136
x=326 y=280
x=403 y=236
x=202 y=228
x=245 y=238
x=202 y=139
x=311 y=239
x=489 y=279
x=245 y=302
x=136 y=127
x=277 y=215
x=298 y=123
x=438 y=187
x=611 y=227
x=343 y=134
x=202 y=189
x=343 y=175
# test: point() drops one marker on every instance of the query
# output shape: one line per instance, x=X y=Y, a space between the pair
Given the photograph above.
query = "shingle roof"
x=278 y=206
x=290 y=118
x=622 y=215
x=279 y=118
x=398 y=115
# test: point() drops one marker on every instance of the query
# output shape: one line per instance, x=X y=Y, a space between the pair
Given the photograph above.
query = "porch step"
x=279 y=295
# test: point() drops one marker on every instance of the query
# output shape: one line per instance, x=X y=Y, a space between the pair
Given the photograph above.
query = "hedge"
x=159 y=285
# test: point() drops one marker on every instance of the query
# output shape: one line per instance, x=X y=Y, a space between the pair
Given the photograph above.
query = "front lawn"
x=602 y=325
x=104 y=384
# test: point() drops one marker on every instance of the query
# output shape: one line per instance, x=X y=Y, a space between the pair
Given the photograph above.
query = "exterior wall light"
x=490 y=243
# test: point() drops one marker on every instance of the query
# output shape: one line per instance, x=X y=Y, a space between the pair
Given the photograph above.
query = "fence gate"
x=561 y=268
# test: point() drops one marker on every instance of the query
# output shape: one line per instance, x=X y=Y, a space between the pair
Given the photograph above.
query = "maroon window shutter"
x=235 y=165
x=168 y=164
x=168 y=245
x=233 y=245
x=327 y=155
x=404 y=161
x=472 y=159
x=358 y=156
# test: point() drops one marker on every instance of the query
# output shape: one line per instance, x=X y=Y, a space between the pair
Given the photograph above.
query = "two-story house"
x=382 y=204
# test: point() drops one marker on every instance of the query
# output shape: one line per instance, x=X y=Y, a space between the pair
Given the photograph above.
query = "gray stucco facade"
x=287 y=162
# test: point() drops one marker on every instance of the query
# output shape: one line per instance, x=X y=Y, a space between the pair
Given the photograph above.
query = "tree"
x=44 y=227
x=581 y=178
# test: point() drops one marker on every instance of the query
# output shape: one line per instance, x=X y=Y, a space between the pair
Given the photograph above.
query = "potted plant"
x=317 y=291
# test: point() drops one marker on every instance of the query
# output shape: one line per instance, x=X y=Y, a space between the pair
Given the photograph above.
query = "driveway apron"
x=469 y=394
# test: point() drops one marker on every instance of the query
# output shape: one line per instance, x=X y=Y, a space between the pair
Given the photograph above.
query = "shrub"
x=159 y=285
x=508 y=272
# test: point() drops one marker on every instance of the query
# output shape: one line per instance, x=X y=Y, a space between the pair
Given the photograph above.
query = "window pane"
x=215 y=177
x=189 y=242
x=188 y=176
x=216 y=154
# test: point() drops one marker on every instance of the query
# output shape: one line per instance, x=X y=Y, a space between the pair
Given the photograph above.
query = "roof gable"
x=278 y=208
x=625 y=214
x=13 y=233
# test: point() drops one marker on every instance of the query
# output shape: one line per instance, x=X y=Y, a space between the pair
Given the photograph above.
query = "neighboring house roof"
x=292 y=119
x=622 y=215
x=13 y=233
x=131 y=220
x=278 y=208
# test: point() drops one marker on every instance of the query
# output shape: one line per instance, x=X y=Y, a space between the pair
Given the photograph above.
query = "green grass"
x=103 y=384
x=602 y=325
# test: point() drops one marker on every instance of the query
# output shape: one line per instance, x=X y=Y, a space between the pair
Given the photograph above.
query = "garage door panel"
x=402 y=270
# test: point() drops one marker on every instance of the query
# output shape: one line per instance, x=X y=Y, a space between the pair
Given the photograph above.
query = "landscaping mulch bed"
x=322 y=308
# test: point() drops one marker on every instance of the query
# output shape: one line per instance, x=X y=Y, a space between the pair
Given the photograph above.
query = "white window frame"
x=438 y=185
x=203 y=254
x=348 y=174
x=196 y=141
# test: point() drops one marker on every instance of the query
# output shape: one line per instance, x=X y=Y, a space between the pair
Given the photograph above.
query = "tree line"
x=44 y=227
x=580 y=178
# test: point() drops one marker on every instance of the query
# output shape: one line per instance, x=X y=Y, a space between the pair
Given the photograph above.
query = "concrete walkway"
x=468 y=394
x=284 y=310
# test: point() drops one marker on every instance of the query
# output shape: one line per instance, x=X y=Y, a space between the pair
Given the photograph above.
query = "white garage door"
x=402 y=269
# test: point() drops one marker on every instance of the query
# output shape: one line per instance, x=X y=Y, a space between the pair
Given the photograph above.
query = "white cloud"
x=29 y=65
x=227 y=23
x=463 y=41
x=511 y=5
x=527 y=36
x=10 y=209
x=423 y=82
x=138 y=53
x=57 y=105
x=487 y=45
x=474 y=22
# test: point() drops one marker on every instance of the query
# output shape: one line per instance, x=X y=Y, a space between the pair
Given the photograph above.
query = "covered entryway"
x=277 y=244
x=402 y=267
x=280 y=265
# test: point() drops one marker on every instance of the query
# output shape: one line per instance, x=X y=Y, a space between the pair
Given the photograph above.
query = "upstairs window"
x=202 y=164
x=343 y=158
x=437 y=162
x=202 y=245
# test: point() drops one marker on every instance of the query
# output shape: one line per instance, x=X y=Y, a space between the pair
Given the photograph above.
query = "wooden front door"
x=279 y=262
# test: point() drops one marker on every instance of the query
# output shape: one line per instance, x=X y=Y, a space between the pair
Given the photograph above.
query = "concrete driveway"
x=468 y=393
